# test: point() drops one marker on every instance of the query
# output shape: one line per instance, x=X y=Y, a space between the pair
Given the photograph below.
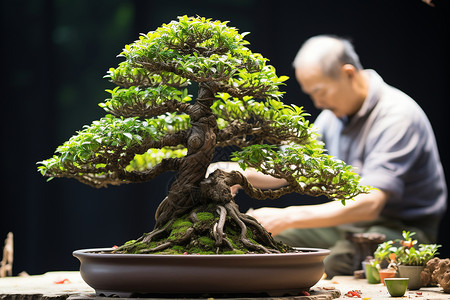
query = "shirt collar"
x=373 y=95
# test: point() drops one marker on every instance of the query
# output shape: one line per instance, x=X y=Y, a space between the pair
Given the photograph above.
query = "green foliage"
x=315 y=172
x=153 y=157
x=201 y=50
x=169 y=40
x=152 y=104
x=274 y=112
x=404 y=252
x=384 y=252
x=407 y=254
x=107 y=136
x=142 y=97
x=127 y=75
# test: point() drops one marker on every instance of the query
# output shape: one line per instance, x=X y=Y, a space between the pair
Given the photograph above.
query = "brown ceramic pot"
x=127 y=275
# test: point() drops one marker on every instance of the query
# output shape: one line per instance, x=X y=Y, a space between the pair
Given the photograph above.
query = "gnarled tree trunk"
x=197 y=211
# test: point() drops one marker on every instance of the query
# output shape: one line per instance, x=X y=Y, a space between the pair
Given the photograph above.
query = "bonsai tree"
x=153 y=126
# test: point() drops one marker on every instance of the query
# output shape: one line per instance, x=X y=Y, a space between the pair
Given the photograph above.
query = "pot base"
x=257 y=295
x=131 y=275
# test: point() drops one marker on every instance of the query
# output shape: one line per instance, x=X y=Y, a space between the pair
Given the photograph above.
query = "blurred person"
x=381 y=132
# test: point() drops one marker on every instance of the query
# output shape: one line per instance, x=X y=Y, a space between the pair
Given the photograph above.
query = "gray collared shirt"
x=392 y=146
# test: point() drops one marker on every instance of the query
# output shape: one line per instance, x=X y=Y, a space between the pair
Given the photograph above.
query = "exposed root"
x=187 y=236
x=208 y=229
x=146 y=238
x=193 y=217
x=161 y=247
x=214 y=225
x=156 y=232
x=232 y=211
x=218 y=227
x=267 y=238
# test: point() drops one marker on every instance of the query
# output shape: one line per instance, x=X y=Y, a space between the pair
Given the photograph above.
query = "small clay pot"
x=413 y=273
x=364 y=264
x=386 y=273
x=396 y=286
x=372 y=274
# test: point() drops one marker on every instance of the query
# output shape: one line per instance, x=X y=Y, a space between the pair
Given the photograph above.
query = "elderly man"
x=380 y=131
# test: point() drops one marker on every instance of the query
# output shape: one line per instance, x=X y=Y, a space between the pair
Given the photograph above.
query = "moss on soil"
x=195 y=235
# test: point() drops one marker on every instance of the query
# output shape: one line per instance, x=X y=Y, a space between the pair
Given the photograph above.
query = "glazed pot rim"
x=415 y=266
x=302 y=251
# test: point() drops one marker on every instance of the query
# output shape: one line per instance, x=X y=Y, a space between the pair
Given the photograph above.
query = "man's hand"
x=366 y=207
x=274 y=220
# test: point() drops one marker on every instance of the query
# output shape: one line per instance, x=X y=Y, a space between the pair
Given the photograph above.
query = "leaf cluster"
x=144 y=102
x=306 y=167
x=153 y=156
x=410 y=255
x=257 y=122
x=200 y=50
x=405 y=252
x=149 y=114
x=110 y=143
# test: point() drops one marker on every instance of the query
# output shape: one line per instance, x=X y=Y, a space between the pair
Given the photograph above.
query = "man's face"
x=334 y=94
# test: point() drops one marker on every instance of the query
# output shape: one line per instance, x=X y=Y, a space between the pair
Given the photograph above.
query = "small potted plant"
x=402 y=256
x=384 y=260
x=372 y=274
x=411 y=259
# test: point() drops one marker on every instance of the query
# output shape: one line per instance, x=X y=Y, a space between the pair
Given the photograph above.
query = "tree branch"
x=166 y=165
x=142 y=110
x=234 y=177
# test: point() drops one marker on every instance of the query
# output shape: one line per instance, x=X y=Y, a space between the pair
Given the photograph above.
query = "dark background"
x=55 y=53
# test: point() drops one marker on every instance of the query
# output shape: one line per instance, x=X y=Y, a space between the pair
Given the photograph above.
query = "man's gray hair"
x=329 y=53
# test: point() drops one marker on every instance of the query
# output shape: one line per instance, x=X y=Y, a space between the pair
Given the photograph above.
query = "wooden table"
x=377 y=291
x=70 y=285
